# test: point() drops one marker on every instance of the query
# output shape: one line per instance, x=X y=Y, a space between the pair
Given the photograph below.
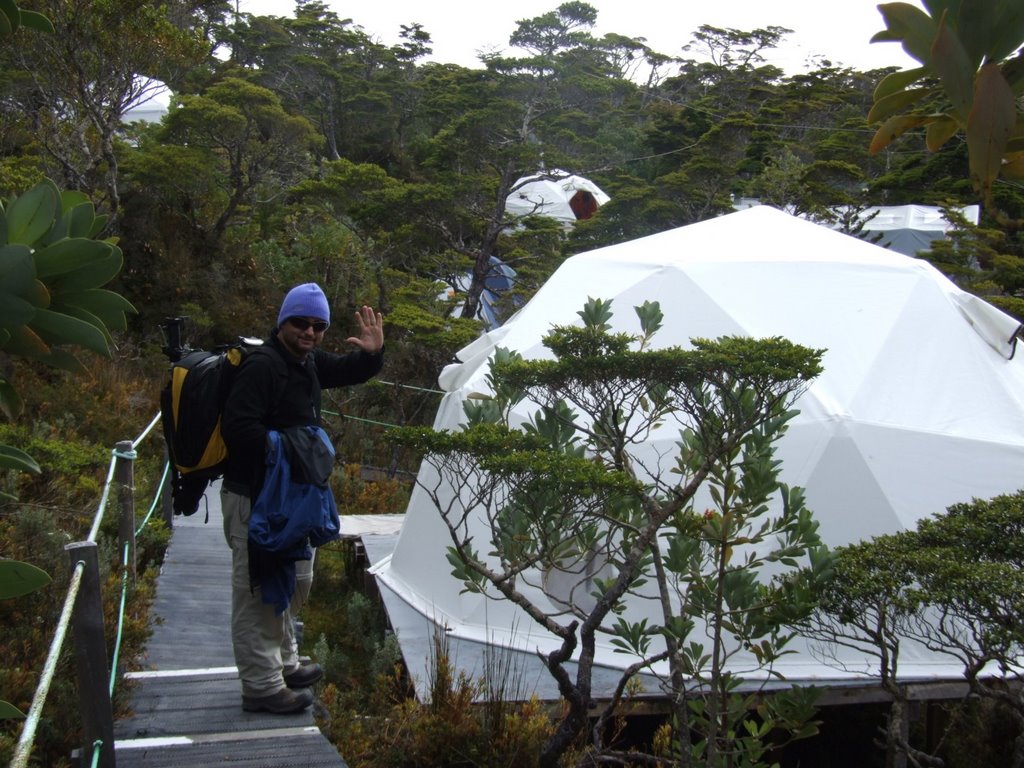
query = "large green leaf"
x=108 y=306
x=25 y=342
x=31 y=215
x=18 y=578
x=911 y=26
x=896 y=102
x=992 y=120
x=36 y=21
x=72 y=198
x=898 y=81
x=940 y=130
x=67 y=256
x=13 y=458
x=87 y=317
x=81 y=217
x=893 y=128
x=58 y=328
x=10 y=17
x=14 y=310
x=93 y=275
x=98 y=224
x=995 y=32
x=17 y=269
x=954 y=68
x=10 y=712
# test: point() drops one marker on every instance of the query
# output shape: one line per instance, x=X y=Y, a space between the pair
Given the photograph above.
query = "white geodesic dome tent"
x=557 y=195
x=920 y=405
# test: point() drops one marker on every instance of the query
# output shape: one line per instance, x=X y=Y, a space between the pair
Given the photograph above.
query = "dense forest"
x=298 y=148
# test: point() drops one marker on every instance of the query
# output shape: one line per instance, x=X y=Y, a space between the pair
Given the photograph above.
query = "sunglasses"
x=318 y=326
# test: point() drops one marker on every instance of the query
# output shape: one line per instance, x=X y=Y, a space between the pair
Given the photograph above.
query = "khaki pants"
x=264 y=644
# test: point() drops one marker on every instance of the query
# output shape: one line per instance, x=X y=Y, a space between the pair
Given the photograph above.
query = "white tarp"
x=554 y=194
x=907 y=229
x=920 y=405
x=910 y=229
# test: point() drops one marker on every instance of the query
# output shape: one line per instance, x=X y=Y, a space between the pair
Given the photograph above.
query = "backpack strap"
x=281 y=370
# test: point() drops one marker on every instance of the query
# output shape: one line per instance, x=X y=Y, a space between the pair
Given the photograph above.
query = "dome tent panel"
x=915 y=410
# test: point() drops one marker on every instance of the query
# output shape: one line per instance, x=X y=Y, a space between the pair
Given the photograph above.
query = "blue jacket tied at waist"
x=294 y=509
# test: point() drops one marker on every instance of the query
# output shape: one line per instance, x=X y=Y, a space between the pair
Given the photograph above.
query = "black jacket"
x=274 y=390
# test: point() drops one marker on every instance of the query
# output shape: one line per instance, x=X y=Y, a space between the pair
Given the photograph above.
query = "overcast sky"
x=838 y=30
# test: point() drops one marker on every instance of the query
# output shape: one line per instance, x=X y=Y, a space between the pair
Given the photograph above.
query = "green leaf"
x=67 y=256
x=108 y=306
x=10 y=17
x=25 y=342
x=81 y=219
x=895 y=102
x=910 y=26
x=990 y=124
x=951 y=62
x=939 y=131
x=898 y=81
x=17 y=270
x=892 y=129
x=93 y=275
x=36 y=21
x=31 y=215
x=14 y=310
x=72 y=198
x=88 y=317
x=10 y=712
x=59 y=328
x=13 y=458
x=994 y=33
x=18 y=578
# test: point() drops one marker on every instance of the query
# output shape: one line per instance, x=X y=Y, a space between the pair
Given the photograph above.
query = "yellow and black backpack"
x=190 y=406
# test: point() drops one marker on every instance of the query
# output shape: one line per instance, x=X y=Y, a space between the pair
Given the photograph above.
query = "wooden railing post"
x=167 y=500
x=124 y=474
x=91 y=658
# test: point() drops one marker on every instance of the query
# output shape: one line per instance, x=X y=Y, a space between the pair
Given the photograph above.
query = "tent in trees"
x=907 y=229
x=557 y=195
x=911 y=229
x=920 y=404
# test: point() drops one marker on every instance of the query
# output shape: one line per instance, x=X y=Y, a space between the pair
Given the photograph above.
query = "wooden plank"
x=186 y=702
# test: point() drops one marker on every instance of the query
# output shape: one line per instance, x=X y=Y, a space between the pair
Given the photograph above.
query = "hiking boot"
x=284 y=702
x=303 y=676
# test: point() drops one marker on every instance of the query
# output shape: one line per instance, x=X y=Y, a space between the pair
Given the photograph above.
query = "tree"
x=578 y=519
x=223 y=151
x=968 y=83
x=867 y=606
x=78 y=84
x=969 y=563
x=955 y=586
x=356 y=92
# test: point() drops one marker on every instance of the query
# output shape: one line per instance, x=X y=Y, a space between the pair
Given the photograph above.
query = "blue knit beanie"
x=306 y=300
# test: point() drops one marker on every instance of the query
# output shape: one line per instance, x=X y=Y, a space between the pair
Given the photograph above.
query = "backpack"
x=190 y=409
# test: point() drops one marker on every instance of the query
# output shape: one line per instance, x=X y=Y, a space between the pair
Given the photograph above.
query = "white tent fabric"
x=910 y=229
x=920 y=405
x=551 y=194
x=906 y=229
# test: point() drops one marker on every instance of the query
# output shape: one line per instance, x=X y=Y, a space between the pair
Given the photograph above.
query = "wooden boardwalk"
x=186 y=702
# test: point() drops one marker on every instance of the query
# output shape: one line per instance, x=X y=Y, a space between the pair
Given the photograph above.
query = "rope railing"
x=28 y=734
x=82 y=610
x=83 y=613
